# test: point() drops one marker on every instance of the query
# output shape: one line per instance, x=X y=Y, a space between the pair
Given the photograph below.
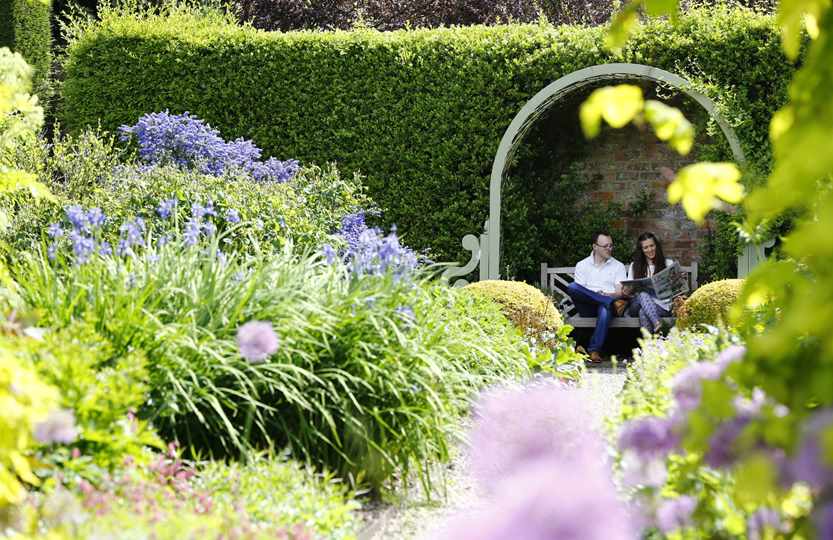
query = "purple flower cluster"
x=370 y=253
x=82 y=236
x=59 y=427
x=533 y=449
x=257 y=341
x=188 y=142
x=87 y=228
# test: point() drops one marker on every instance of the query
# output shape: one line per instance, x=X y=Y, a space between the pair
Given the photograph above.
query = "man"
x=597 y=290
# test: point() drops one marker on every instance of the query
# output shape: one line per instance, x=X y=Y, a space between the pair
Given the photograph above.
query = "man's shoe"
x=619 y=307
x=595 y=357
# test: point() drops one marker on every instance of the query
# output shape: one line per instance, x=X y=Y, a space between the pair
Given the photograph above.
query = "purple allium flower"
x=209 y=228
x=55 y=231
x=549 y=499
x=96 y=218
x=760 y=521
x=514 y=425
x=722 y=451
x=232 y=216
x=353 y=225
x=811 y=465
x=823 y=521
x=640 y=472
x=687 y=384
x=257 y=341
x=648 y=437
x=166 y=208
x=730 y=355
x=59 y=427
x=676 y=513
x=105 y=249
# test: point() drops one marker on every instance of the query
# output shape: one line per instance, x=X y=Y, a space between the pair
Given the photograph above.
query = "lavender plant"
x=190 y=143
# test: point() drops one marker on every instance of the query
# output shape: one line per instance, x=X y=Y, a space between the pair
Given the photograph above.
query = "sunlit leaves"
x=702 y=186
x=11 y=181
x=802 y=135
x=626 y=20
x=755 y=479
x=793 y=15
x=616 y=105
x=624 y=23
x=670 y=125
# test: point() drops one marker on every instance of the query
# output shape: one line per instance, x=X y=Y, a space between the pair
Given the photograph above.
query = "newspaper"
x=667 y=283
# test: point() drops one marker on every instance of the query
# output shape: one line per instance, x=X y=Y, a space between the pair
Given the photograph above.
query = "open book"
x=667 y=283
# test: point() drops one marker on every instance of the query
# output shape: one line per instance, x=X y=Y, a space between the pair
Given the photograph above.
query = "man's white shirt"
x=604 y=277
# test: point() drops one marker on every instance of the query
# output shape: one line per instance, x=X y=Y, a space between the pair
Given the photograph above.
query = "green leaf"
x=670 y=125
x=617 y=105
x=702 y=186
x=755 y=479
x=623 y=24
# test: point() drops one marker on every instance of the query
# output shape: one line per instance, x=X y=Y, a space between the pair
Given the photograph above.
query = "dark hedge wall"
x=420 y=112
x=25 y=28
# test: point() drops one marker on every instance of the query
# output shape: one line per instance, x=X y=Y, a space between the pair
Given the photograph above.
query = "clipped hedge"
x=419 y=112
x=709 y=304
x=527 y=307
x=25 y=28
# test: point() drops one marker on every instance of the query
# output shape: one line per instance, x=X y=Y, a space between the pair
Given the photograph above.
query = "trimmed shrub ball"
x=709 y=304
x=527 y=307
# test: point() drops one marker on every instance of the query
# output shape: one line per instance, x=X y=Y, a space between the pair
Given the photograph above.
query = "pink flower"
x=516 y=425
x=549 y=499
x=59 y=427
x=257 y=341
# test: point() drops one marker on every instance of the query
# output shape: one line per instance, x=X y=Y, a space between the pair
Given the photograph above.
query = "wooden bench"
x=556 y=279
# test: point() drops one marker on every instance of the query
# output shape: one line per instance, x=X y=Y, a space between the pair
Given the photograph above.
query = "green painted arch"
x=551 y=94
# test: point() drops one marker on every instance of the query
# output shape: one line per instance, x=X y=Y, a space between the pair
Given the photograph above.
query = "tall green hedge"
x=25 y=28
x=420 y=112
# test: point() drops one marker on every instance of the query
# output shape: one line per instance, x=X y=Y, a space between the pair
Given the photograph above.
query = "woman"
x=648 y=259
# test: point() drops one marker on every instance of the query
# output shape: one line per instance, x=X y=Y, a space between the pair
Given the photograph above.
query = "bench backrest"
x=559 y=277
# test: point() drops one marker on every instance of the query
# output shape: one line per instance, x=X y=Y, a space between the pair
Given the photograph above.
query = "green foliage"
x=647 y=392
x=91 y=169
x=710 y=304
x=356 y=386
x=284 y=494
x=25 y=27
x=419 y=112
x=26 y=400
x=170 y=499
x=103 y=390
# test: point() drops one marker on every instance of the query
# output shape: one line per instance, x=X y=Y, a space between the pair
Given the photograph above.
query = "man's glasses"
x=606 y=246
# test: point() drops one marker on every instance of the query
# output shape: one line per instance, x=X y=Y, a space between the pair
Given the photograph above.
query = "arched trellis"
x=485 y=251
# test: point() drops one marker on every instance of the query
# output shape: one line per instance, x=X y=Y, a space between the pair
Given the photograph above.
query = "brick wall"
x=626 y=166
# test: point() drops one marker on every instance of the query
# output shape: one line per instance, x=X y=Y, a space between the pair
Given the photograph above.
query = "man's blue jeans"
x=592 y=304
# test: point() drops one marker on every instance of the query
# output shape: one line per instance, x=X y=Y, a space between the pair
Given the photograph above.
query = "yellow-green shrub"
x=709 y=304
x=24 y=401
x=527 y=307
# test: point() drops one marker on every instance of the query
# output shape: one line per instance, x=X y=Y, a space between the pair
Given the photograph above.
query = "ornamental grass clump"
x=187 y=142
x=364 y=375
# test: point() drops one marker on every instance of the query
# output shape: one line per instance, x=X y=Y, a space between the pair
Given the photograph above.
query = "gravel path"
x=414 y=518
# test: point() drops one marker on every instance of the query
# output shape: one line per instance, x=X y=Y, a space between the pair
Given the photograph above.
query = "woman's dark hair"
x=640 y=261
